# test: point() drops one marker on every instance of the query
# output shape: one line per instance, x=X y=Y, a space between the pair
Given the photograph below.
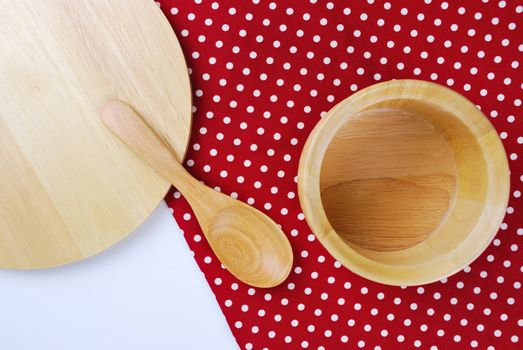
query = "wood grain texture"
x=68 y=189
x=397 y=183
x=413 y=182
x=248 y=243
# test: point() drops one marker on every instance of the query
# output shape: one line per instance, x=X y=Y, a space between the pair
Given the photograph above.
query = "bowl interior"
x=403 y=175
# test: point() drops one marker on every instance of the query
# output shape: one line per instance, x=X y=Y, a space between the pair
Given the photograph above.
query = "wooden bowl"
x=405 y=182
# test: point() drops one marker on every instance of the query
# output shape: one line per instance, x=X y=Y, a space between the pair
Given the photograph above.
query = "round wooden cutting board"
x=68 y=187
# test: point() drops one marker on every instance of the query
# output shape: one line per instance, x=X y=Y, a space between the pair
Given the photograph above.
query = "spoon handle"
x=127 y=125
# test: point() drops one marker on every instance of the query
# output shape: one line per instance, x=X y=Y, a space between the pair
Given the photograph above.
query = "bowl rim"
x=309 y=172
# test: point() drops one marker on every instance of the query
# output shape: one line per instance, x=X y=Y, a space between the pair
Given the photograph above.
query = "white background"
x=146 y=292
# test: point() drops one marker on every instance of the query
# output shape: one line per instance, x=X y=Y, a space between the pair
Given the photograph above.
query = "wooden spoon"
x=248 y=243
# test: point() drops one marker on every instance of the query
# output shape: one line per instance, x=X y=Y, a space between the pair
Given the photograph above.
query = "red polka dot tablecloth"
x=263 y=73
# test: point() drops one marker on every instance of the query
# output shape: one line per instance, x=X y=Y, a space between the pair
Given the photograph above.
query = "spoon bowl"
x=255 y=256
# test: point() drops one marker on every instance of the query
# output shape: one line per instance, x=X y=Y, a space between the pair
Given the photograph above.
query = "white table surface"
x=146 y=292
